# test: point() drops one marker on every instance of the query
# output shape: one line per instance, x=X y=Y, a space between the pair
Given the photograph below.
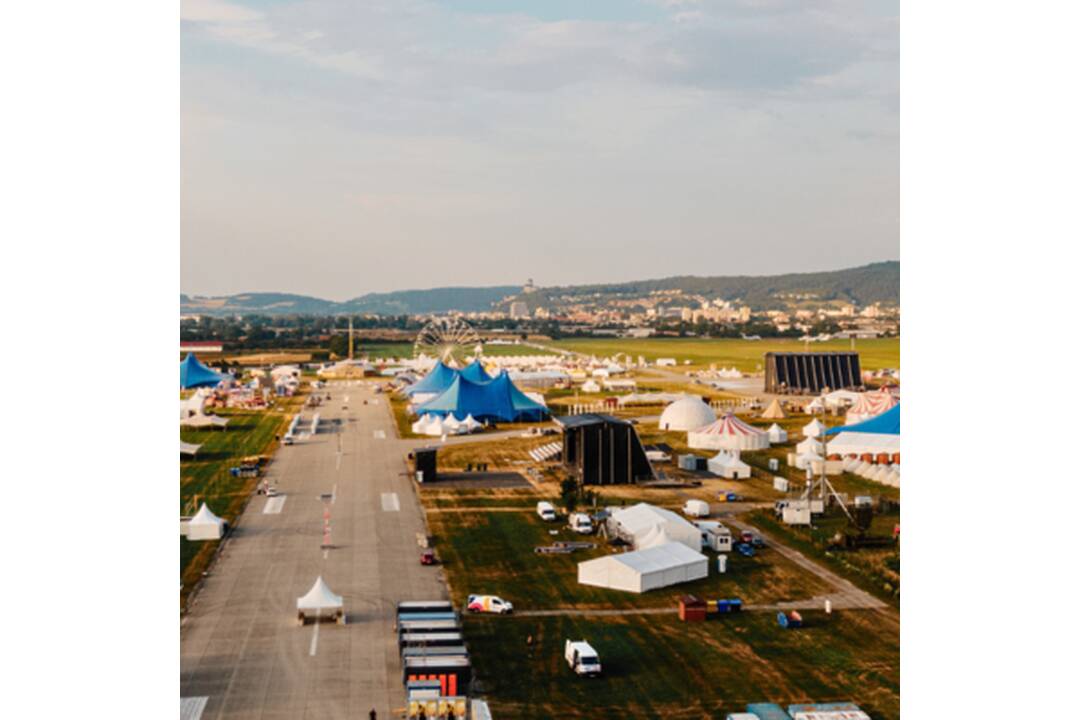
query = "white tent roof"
x=660 y=557
x=205 y=517
x=775 y=410
x=776 y=433
x=188 y=448
x=813 y=428
x=644 y=570
x=858 y=443
x=642 y=519
x=687 y=413
x=319 y=597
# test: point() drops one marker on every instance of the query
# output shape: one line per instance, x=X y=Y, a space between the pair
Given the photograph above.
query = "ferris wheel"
x=450 y=340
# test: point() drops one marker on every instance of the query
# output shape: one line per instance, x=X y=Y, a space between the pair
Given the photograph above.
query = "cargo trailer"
x=437 y=639
x=453 y=673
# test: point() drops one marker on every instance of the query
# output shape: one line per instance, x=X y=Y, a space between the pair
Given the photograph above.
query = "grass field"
x=745 y=355
x=206 y=478
x=656 y=666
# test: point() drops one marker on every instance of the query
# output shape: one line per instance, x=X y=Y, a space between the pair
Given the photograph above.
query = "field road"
x=240 y=645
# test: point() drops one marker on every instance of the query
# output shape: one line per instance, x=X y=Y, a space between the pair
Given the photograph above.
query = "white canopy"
x=777 y=434
x=188 y=448
x=858 y=443
x=811 y=446
x=728 y=465
x=643 y=570
x=813 y=429
x=319 y=597
x=205 y=525
x=470 y=423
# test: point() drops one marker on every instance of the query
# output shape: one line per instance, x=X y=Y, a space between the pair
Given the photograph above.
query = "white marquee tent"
x=656 y=567
x=813 y=429
x=727 y=464
x=687 y=413
x=728 y=433
x=205 y=525
x=777 y=434
x=189 y=449
x=639 y=521
x=320 y=598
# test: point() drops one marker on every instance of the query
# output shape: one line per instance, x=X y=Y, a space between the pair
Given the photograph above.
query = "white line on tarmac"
x=390 y=502
x=314 y=637
x=337 y=464
x=273 y=505
x=333 y=495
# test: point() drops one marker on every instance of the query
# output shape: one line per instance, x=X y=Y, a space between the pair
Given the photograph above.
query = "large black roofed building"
x=811 y=373
x=603 y=450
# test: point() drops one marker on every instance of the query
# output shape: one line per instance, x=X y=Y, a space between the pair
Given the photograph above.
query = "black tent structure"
x=603 y=450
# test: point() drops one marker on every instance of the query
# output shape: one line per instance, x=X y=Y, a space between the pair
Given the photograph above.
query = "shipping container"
x=422 y=651
x=430 y=639
x=453 y=673
x=414 y=616
x=410 y=606
x=420 y=626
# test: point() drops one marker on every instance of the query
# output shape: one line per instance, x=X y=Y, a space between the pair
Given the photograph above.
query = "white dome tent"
x=687 y=413
x=728 y=433
x=318 y=599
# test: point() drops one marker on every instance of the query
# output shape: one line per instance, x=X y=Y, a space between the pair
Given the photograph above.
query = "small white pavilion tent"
x=471 y=425
x=189 y=449
x=640 y=571
x=727 y=464
x=320 y=599
x=813 y=429
x=811 y=446
x=777 y=434
x=687 y=413
x=590 y=386
x=728 y=433
x=205 y=525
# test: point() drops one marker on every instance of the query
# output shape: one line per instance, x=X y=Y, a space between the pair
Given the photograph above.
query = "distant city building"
x=529 y=287
x=519 y=310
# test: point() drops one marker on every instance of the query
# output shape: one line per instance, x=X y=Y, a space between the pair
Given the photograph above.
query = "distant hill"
x=878 y=282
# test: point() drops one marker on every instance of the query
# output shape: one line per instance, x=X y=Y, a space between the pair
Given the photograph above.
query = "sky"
x=339 y=147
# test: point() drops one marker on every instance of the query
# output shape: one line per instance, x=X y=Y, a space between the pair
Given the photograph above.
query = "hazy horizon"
x=333 y=149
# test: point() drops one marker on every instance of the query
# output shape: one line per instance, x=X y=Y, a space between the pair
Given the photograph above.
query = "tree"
x=569 y=490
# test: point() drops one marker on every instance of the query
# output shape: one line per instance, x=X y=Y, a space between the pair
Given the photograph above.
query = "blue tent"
x=887 y=423
x=475 y=372
x=497 y=399
x=194 y=374
x=436 y=381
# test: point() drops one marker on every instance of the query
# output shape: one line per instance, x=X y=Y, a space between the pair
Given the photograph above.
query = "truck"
x=546 y=511
x=489 y=604
x=581 y=523
x=582 y=658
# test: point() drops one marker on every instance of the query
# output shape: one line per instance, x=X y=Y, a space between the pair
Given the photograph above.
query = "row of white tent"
x=193 y=411
x=880 y=473
x=437 y=426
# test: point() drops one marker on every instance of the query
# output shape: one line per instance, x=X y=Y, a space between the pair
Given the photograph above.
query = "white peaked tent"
x=777 y=434
x=813 y=429
x=451 y=424
x=643 y=570
x=816 y=405
x=775 y=411
x=590 y=386
x=470 y=423
x=319 y=599
x=811 y=446
x=189 y=448
x=638 y=522
x=727 y=464
x=420 y=426
x=728 y=433
x=205 y=525
x=687 y=413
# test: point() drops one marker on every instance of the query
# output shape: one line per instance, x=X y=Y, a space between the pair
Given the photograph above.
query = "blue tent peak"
x=498 y=400
x=436 y=381
x=887 y=423
x=475 y=372
x=194 y=374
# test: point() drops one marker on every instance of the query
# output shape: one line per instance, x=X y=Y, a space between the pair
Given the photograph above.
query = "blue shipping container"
x=768 y=711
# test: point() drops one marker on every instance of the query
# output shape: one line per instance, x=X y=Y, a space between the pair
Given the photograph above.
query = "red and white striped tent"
x=870 y=404
x=728 y=433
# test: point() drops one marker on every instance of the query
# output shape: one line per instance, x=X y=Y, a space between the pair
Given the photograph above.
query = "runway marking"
x=346 y=401
x=314 y=637
x=337 y=464
x=390 y=502
x=380 y=434
x=191 y=708
x=326 y=554
x=333 y=495
x=273 y=505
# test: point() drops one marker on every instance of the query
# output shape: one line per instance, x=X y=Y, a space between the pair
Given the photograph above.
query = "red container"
x=692 y=609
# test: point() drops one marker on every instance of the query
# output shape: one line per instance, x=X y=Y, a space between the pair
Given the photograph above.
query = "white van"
x=546 y=511
x=582 y=658
x=581 y=523
x=696 y=508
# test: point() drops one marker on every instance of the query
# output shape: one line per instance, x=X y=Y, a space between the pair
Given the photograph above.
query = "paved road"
x=240 y=645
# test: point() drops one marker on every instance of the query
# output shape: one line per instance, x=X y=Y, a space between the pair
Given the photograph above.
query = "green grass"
x=492 y=552
x=748 y=356
x=656 y=666
x=206 y=478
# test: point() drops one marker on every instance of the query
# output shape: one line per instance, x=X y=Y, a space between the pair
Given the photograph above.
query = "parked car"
x=427 y=557
x=582 y=658
x=488 y=604
x=581 y=523
x=546 y=511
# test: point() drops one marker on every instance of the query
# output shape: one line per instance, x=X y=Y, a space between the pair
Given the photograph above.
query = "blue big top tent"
x=887 y=423
x=436 y=381
x=194 y=374
x=495 y=400
x=474 y=372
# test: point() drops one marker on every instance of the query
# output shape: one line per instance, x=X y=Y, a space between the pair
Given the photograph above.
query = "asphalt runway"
x=240 y=645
